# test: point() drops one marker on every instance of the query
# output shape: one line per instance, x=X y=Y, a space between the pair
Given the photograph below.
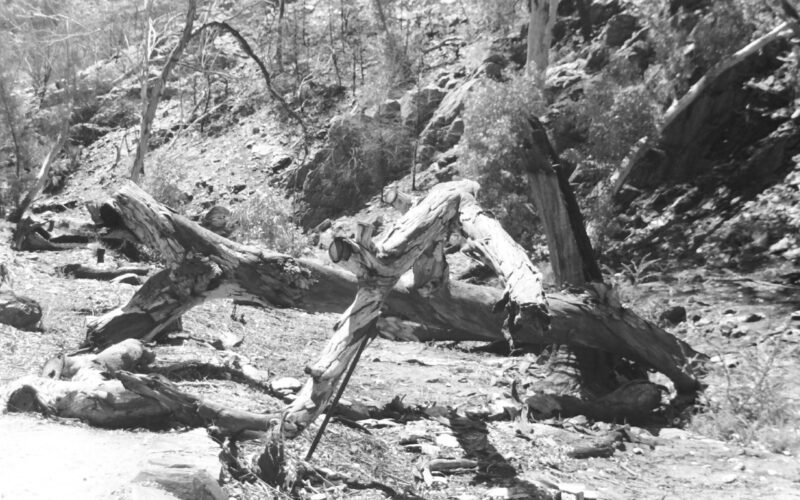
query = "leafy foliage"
x=362 y=155
x=492 y=149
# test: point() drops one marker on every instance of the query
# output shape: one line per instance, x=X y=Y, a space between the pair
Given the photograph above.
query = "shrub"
x=361 y=156
x=749 y=400
x=164 y=175
x=493 y=147
x=268 y=219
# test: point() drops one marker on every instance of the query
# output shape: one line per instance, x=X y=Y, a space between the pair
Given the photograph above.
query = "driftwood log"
x=205 y=266
x=102 y=389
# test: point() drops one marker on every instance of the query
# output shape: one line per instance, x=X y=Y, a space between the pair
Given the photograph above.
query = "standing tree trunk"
x=41 y=177
x=279 y=41
x=577 y=369
x=11 y=118
x=540 y=35
x=395 y=57
x=150 y=102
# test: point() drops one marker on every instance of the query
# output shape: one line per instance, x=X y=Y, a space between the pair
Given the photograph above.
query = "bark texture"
x=204 y=265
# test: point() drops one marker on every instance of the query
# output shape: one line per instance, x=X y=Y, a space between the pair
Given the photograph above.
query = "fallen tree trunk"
x=79 y=387
x=208 y=266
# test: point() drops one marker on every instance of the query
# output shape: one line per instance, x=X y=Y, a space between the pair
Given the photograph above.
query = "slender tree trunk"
x=279 y=42
x=41 y=177
x=150 y=102
x=540 y=35
x=395 y=56
x=5 y=97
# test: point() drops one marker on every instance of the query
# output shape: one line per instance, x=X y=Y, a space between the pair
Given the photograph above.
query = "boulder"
x=82 y=462
x=20 y=312
x=418 y=106
x=619 y=28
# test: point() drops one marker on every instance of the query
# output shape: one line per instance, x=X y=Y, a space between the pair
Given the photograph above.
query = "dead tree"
x=150 y=102
x=204 y=265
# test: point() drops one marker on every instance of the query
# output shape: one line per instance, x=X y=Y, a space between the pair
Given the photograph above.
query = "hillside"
x=289 y=127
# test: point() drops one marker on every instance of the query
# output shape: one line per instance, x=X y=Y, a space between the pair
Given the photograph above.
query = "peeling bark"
x=217 y=267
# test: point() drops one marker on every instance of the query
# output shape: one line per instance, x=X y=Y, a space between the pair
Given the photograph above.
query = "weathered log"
x=78 y=387
x=81 y=271
x=226 y=365
x=86 y=394
x=523 y=297
x=216 y=267
x=29 y=235
x=377 y=266
x=633 y=402
x=193 y=411
x=129 y=354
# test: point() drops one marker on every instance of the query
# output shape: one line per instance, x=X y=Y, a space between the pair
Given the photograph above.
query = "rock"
x=781 y=245
x=82 y=462
x=750 y=318
x=418 y=106
x=183 y=482
x=261 y=149
x=86 y=133
x=447 y=441
x=22 y=313
x=218 y=220
x=128 y=279
x=619 y=28
x=280 y=162
x=598 y=58
x=508 y=493
x=601 y=11
x=674 y=315
x=726 y=327
x=795 y=316
x=572 y=491
x=285 y=385
x=492 y=70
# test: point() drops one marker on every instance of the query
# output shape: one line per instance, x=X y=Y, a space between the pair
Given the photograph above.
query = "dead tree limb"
x=680 y=106
x=205 y=265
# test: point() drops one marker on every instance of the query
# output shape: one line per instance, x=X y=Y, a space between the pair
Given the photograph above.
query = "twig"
x=336 y=398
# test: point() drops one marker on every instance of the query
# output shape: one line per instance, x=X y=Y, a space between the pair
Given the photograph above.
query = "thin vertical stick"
x=335 y=401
